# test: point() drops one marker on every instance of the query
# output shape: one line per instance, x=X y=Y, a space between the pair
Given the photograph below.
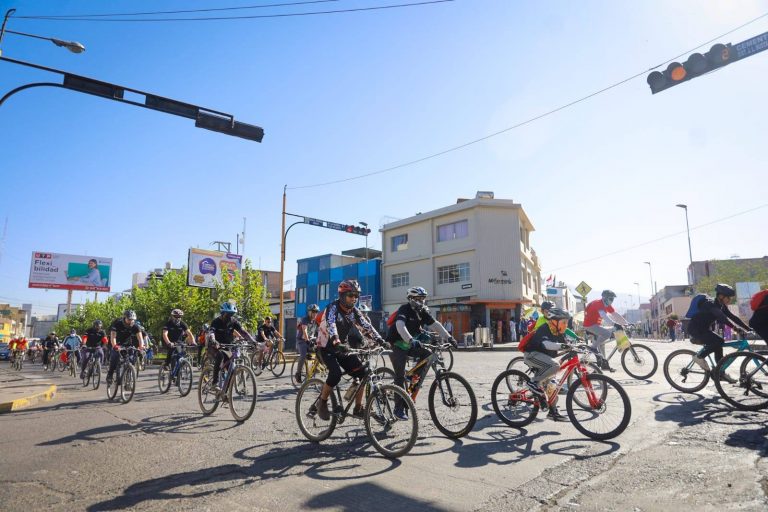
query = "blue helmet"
x=228 y=307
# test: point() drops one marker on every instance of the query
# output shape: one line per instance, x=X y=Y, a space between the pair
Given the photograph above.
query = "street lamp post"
x=638 y=295
x=72 y=46
x=650 y=272
x=688 y=230
x=365 y=225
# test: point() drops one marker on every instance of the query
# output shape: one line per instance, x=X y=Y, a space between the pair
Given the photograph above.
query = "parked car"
x=5 y=352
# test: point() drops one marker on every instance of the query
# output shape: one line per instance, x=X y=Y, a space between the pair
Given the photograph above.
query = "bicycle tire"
x=60 y=364
x=128 y=386
x=513 y=398
x=163 y=379
x=277 y=364
x=96 y=376
x=205 y=391
x=447 y=393
x=518 y=363
x=687 y=356
x=572 y=377
x=305 y=373
x=112 y=389
x=255 y=364
x=311 y=388
x=380 y=411
x=745 y=384
x=185 y=378
x=637 y=350
x=447 y=356
x=241 y=382
x=626 y=416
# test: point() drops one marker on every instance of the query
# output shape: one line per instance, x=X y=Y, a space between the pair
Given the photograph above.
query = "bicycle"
x=238 y=389
x=686 y=376
x=519 y=406
x=178 y=371
x=446 y=355
x=124 y=377
x=590 y=361
x=382 y=426
x=72 y=365
x=275 y=361
x=92 y=372
x=639 y=361
x=17 y=359
x=750 y=391
x=313 y=365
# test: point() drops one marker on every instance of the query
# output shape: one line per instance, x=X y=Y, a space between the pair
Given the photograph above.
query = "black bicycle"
x=238 y=389
x=92 y=371
x=124 y=377
x=178 y=371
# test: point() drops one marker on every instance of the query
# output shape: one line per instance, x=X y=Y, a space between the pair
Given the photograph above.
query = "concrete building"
x=474 y=257
x=13 y=322
x=42 y=325
x=670 y=300
x=562 y=297
x=751 y=267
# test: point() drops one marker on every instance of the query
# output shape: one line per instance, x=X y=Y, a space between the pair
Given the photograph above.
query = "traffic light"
x=697 y=64
x=356 y=230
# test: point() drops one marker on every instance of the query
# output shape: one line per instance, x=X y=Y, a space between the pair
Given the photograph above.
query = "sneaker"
x=322 y=410
x=401 y=413
x=702 y=363
x=555 y=415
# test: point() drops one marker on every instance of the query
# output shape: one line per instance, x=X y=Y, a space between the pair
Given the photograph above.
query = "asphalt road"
x=80 y=452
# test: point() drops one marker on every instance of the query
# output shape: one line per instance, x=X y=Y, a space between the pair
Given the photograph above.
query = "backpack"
x=758 y=299
x=695 y=303
x=524 y=342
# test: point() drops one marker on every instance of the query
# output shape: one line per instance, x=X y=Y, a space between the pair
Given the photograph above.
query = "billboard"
x=70 y=272
x=204 y=268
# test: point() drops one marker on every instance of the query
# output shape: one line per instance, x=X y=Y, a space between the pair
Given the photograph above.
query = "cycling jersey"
x=224 y=331
x=175 y=332
x=94 y=338
x=309 y=324
x=413 y=320
x=335 y=324
x=592 y=312
x=124 y=333
x=267 y=332
x=710 y=312
x=50 y=342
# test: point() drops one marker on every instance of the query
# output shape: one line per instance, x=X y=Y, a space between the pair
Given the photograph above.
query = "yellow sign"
x=583 y=289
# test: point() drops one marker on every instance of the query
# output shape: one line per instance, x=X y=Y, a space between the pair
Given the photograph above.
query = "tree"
x=732 y=272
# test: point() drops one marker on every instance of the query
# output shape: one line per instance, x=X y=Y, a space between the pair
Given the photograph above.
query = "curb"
x=28 y=401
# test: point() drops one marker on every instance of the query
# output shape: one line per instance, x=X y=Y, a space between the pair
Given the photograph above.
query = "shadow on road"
x=751 y=439
x=368 y=496
x=692 y=409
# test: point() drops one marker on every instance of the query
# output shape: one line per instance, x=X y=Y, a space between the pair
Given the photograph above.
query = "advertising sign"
x=205 y=268
x=70 y=272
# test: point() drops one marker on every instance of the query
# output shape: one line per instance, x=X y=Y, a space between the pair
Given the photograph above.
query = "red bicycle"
x=597 y=405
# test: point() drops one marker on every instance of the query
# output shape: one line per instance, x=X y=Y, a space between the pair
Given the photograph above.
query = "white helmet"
x=417 y=297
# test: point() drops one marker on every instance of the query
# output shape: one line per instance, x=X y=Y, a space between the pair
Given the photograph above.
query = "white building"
x=562 y=297
x=474 y=258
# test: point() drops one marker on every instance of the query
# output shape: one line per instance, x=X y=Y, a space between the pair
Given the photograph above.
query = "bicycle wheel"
x=112 y=388
x=581 y=398
x=60 y=364
x=277 y=364
x=304 y=372
x=96 y=376
x=163 y=379
x=683 y=374
x=185 y=377
x=607 y=417
x=750 y=391
x=514 y=406
x=72 y=369
x=128 y=387
x=311 y=425
x=206 y=395
x=256 y=366
x=390 y=436
x=517 y=363
x=447 y=357
x=639 y=362
x=242 y=393
x=452 y=405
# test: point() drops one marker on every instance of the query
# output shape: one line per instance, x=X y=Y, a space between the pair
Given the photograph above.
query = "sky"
x=340 y=95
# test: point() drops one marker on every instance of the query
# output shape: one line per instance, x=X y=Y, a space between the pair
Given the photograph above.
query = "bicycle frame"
x=422 y=369
x=370 y=377
x=739 y=345
x=569 y=363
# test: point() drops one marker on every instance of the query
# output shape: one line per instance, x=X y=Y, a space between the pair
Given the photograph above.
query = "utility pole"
x=282 y=263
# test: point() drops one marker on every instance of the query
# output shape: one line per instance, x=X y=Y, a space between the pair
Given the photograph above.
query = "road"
x=158 y=452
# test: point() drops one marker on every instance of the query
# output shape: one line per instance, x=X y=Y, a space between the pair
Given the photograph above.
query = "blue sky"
x=341 y=95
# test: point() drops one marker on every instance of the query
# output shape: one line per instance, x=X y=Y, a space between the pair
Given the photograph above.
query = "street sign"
x=314 y=222
x=752 y=46
x=583 y=289
x=333 y=225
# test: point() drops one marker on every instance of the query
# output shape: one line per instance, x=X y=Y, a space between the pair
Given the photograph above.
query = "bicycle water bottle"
x=551 y=388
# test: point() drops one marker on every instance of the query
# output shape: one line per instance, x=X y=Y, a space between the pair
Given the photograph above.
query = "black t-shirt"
x=225 y=331
x=175 y=332
x=414 y=321
x=123 y=332
x=50 y=342
x=94 y=337
x=267 y=332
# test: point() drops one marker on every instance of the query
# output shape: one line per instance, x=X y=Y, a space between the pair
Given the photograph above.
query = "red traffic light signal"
x=356 y=230
x=349 y=229
x=696 y=65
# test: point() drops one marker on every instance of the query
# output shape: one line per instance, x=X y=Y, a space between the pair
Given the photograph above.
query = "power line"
x=527 y=121
x=248 y=17
x=152 y=13
x=649 y=242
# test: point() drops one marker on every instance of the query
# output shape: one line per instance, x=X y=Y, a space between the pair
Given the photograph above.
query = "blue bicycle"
x=178 y=371
x=749 y=392
x=685 y=375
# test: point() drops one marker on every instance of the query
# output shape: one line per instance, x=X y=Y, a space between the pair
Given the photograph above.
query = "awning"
x=498 y=304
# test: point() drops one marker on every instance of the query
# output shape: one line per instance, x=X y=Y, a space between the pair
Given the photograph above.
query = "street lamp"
x=688 y=230
x=650 y=272
x=638 y=295
x=365 y=225
x=72 y=46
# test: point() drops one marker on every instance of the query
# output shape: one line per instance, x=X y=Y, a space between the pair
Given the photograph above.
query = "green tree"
x=732 y=272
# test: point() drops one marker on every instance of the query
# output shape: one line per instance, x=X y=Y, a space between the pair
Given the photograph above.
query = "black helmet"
x=724 y=289
x=129 y=314
x=608 y=294
x=97 y=324
x=547 y=305
x=558 y=314
x=313 y=307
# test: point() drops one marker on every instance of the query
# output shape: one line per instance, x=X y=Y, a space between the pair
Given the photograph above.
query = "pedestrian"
x=449 y=326
x=512 y=331
x=671 y=325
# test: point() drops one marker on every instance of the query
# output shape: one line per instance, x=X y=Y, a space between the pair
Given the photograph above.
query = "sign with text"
x=205 y=268
x=70 y=272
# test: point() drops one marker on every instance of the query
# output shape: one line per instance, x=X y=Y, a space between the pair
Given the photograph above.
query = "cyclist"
x=540 y=353
x=267 y=335
x=122 y=332
x=306 y=329
x=594 y=314
x=759 y=320
x=201 y=343
x=19 y=347
x=175 y=331
x=95 y=337
x=708 y=312
x=410 y=318
x=73 y=342
x=335 y=323
x=222 y=331
x=50 y=345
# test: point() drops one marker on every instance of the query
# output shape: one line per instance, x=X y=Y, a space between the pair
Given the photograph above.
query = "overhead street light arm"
x=204 y=117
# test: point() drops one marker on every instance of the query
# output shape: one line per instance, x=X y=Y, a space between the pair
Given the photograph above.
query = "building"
x=750 y=268
x=13 y=322
x=670 y=300
x=562 y=297
x=42 y=325
x=474 y=257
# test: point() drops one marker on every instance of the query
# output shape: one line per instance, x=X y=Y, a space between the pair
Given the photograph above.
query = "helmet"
x=724 y=289
x=177 y=313
x=228 y=307
x=349 y=286
x=417 y=297
x=313 y=307
x=206 y=327
x=97 y=323
x=558 y=314
x=416 y=291
x=547 y=305
x=608 y=294
x=129 y=314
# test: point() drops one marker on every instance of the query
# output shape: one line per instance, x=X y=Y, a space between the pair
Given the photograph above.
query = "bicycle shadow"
x=692 y=409
x=368 y=496
x=756 y=439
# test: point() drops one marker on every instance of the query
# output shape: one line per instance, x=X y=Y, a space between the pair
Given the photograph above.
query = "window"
x=453 y=231
x=400 y=242
x=453 y=273
x=301 y=295
x=303 y=267
x=402 y=279
x=323 y=292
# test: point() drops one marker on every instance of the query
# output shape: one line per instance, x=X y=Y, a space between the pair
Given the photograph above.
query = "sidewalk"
x=19 y=390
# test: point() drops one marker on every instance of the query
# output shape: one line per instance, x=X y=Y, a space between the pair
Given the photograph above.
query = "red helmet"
x=349 y=286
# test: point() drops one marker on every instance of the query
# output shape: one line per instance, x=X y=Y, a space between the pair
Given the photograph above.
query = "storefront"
x=498 y=316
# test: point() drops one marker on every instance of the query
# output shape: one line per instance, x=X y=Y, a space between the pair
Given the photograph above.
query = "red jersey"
x=592 y=313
